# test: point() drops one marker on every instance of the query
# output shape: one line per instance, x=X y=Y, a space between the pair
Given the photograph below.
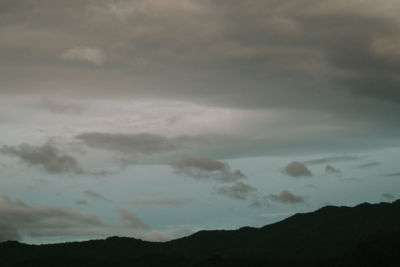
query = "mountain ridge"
x=329 y=236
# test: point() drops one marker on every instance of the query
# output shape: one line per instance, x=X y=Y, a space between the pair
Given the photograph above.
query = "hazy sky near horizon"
x=159 y=118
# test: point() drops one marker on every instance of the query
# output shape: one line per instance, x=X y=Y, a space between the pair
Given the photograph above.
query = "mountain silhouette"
x=364 y=235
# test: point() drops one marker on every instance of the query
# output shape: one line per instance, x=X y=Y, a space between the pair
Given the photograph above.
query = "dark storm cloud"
x=330 y=169
x=362 y=54
x=286 y=197
x=143 y=143
x=95 y=195
x=296 y=169
x=44 y=220
x=204 y=167
x=46 y=156
x=279 y=53
x=238 y=190
x=164 y=46
x=131 y=220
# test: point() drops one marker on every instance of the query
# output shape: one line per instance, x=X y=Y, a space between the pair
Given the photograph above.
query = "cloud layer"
x=163 y=48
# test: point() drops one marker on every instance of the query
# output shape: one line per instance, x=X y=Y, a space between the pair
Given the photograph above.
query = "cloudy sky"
x=158 y=118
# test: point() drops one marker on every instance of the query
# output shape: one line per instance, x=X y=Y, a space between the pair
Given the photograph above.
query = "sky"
x=156 y=119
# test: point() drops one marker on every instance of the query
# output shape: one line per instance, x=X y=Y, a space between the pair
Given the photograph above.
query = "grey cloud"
x=332 y=159
x=95 y=195
x=86 y=54
x=131 y=220
x=393 y=174
x=204 y=167
x=352 y=179
x=286 y=197
x=202 y=163
x=311 y=186
x=160 y=202
x=36 y=185
x=143 y=143
x=238 y=190
x=8 y=233
x=330 y=169
x=103 y=173
x=368 y=165
x=388 y=196
x=81 y=202
x=256 y=204
x=44 y=220
x=46 y=156
x=57 y=106
x=151 y=148
x=297 y=169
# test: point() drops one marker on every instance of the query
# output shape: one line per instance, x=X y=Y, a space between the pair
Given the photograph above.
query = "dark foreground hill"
x=365 y=235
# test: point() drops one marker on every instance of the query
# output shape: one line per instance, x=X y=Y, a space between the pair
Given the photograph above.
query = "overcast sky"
x=159 y=118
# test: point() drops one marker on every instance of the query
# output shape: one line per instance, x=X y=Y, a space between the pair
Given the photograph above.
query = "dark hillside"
x=365 y=235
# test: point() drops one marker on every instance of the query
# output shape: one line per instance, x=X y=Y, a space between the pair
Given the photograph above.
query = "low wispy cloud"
x=127 y=144
x=58 y=106
x=332 y=159
x=395 y=174
x=352 y=179
x=47 y=156
x=183 y=230
x=21 y=219
x=36 y=185
x=81 y=202
x=95 y=195
x=368 y=165
x=286 y=197
x=330 y=169
x=238 y=190
x=388 y=196
x=296 y=169
x=91 y=55
x=8 y=233
x=160 y=202
x=206 y=168
x=132 y=221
